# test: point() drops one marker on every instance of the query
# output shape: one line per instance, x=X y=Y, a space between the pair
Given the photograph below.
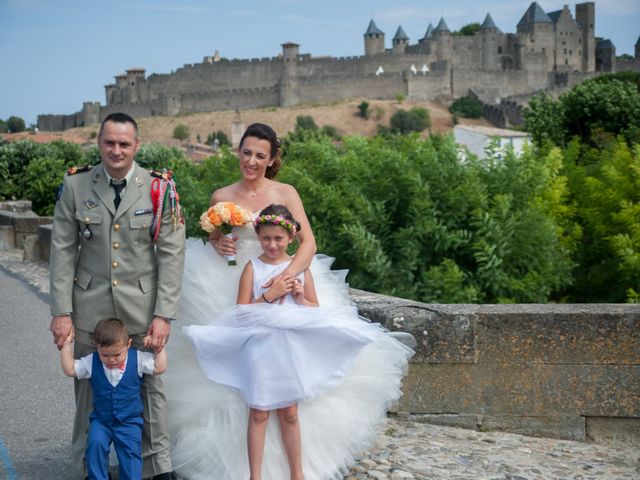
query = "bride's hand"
x=225 y=245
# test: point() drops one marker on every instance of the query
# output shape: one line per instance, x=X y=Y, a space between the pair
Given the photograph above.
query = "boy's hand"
x=70 y=337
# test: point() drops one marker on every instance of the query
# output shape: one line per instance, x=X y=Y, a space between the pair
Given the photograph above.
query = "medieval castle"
x=549 y=51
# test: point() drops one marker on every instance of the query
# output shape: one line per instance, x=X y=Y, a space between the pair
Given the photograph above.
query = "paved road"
x=36 y=399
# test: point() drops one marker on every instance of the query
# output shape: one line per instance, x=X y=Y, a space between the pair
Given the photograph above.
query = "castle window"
x=132 y=84
x=566 y=62
x=579 y=40
x=570 y=52
x=565 y=51
x=499 y=50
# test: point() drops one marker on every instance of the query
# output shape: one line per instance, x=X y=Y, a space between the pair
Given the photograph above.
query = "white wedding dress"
x=344 y=385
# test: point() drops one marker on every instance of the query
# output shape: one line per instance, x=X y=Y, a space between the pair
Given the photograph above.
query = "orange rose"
x=214 y=218
x=237 y=217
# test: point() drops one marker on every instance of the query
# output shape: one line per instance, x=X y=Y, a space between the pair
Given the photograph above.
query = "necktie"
x=118 y=185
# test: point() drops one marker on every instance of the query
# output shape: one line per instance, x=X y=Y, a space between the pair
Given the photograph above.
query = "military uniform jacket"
x=103 y=263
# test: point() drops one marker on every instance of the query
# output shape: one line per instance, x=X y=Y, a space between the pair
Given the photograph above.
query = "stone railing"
x=559 y=370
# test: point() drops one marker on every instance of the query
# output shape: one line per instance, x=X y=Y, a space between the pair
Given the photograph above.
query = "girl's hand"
x=225 y=245
x=298 y=292
x=280 y=286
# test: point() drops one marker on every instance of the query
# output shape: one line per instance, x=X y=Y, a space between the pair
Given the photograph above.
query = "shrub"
x=363 y=109
x=220 y=136
x=467 y=107
x=15 y=124
x=181 y=132
x=414 y=120
x=305 y=122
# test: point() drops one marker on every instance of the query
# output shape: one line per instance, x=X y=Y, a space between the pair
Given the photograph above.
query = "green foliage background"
x=411 y=217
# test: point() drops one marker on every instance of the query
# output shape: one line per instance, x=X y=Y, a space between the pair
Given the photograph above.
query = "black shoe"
x=166 y=476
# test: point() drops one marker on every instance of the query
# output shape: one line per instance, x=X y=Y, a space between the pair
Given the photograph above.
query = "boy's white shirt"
x=84 y=367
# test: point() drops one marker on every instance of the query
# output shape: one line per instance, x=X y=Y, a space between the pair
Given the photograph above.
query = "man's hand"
x=158 y=334
x=61 y=326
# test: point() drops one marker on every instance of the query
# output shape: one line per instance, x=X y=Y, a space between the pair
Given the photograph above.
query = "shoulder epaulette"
x=164 y=174
x=74 y=170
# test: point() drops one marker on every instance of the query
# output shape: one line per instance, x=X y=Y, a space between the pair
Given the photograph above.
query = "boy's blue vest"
x=118 y=403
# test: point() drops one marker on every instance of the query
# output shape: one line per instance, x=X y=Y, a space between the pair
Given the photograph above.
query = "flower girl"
x=285 y=351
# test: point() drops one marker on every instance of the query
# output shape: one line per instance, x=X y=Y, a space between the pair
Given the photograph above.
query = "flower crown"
x=276 y=220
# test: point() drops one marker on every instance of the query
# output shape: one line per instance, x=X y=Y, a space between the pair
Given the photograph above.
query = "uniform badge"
x=143 y=211
x=138 y=181
x=91 y=203
x=86 y=233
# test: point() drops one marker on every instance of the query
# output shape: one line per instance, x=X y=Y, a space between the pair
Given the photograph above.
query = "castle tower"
x=290 y=52
x=442 y=35
x=288 y=84
x=427 y=35
x=490 y=44
x=108 y=93
x=133 y=77
x=638 y=49
x=373 y=40
x=605 y=56
x=536 y=36
x=586 y=18
x=400 y=41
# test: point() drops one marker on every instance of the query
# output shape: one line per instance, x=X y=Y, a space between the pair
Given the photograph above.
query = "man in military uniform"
x=105 y=263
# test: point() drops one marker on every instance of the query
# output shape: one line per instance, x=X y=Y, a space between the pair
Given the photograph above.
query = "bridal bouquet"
x=223 y=216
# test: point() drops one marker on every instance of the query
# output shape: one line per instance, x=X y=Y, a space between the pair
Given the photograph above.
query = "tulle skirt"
x=343 y=388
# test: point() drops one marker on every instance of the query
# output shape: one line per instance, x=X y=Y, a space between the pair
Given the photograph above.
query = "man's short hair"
x=118 y=117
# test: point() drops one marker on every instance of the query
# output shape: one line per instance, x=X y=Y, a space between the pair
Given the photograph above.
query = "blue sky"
x=55 y=54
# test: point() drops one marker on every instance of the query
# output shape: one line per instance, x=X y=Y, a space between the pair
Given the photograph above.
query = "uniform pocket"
x=140 y=233
x=83 y=279
x=148 y=283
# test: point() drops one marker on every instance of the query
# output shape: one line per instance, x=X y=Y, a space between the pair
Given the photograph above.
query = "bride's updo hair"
x=273 y=211
x=265 y=132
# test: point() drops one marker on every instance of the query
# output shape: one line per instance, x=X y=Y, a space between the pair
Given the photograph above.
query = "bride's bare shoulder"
x=225 y=194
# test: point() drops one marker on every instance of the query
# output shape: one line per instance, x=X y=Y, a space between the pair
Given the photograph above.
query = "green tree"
x=414 y=120
x=605 y=185
x=305 y=122
x=363 y=109
x=595 y=110
x=220 y=136
x=468 y=107
x=544 y=119
x=612 y=106
x=3 y=126
x=15 y=124
x=469 y=30
x=181 y=132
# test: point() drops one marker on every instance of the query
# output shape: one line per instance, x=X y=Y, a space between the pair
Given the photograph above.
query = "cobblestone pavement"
x=410 y=450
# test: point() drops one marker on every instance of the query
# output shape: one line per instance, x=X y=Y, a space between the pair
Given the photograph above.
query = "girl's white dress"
x=343 y=372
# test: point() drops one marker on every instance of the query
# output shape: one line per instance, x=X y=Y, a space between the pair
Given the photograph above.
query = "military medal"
x=86 y=233
x=91 y=203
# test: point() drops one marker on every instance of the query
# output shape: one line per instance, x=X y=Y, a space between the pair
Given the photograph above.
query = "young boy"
x=115 y=372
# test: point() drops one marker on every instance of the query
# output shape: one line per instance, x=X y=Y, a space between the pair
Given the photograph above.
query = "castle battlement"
x=546 y=51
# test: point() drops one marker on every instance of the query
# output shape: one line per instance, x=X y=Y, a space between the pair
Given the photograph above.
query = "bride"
x=207 y=421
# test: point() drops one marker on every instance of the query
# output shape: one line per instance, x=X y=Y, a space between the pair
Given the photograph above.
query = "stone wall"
x=554 y=370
